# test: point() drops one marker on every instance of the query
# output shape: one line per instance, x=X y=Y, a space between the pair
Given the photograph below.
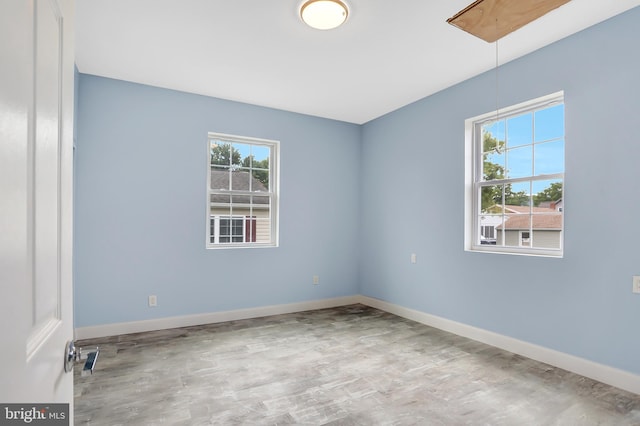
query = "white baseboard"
x=593 y=370
x=105 y=330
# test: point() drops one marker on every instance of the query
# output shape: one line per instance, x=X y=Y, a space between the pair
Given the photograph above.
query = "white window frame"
x=273 y=193
x=473 y=178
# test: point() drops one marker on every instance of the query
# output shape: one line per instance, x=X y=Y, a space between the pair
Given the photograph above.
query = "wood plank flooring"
x=352 y=365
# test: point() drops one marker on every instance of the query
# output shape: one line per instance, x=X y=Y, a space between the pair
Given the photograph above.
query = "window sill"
x=556 y=254
x=239 y=246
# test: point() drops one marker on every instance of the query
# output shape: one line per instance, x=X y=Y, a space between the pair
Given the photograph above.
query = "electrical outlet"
x=316 y=280
x=636 y=284
x=414 y=258
x=153 y=300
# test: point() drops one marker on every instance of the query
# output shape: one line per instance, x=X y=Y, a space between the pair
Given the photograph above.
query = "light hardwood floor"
x=351 y=365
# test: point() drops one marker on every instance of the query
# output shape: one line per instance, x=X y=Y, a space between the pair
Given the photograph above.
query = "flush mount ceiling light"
x=324 y=14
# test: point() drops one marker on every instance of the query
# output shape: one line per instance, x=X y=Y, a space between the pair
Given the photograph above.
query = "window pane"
x=260 y=201
x=225 y=230
x=549 y=157
x=520 y=130
x=548 y=194
x=547 y=230
x=219 y=200
x=260 y=156
x=239 y=202
x=243 y=151
x=514 y=224
x=518 y=195
x=261 y=217
x=260 y=181
x=520 y=162
x=237 y=230
x=493 y=149
x=263 y=227
x=216 y=215
x=549 y=123
x=491 y=199
x=493 y=166
x=220 y=153
x=489 y=223
x=493 y=134
x=220 y=178
x=241 y=180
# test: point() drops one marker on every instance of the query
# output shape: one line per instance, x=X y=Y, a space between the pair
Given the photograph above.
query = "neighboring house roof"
x=526 y=209
x=520 y=220
x=552 y=222
x=508 y=208
x=556 y=205
x=240 y=182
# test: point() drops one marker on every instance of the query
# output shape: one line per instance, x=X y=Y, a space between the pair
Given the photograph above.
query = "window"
x=515 y=179
x=487 y=234
x=237 y=229
x=242 y=192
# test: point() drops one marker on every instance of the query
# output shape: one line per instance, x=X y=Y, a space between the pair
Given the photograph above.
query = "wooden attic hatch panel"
x=491 y=20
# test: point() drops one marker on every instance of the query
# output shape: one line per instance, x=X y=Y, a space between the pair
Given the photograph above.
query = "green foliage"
x=224 y=154
x=552 y=193
x=259 y=169
x=491 y=145
x=519 y=198
x=490 y=171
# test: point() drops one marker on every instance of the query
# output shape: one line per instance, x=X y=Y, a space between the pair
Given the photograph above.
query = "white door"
x=36 y=152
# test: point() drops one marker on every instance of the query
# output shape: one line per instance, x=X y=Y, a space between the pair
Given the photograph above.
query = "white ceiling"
x=387 y=55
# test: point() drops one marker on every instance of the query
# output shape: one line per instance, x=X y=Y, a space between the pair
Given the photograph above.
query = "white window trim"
x=472 y=167
x=274 y=182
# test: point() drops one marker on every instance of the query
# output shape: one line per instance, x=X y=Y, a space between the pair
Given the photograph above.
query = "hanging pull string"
x=497 y=86
x=498 y=150
x=497 y=123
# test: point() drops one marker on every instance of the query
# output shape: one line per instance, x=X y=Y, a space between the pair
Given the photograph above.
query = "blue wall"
x=358 y=200
x=414 y=202
x=141 y=206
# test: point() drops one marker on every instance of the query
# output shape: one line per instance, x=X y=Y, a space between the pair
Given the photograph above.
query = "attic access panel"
x=491 y=20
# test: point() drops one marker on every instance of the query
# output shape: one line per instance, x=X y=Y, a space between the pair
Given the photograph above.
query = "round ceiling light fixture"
x=324 y=14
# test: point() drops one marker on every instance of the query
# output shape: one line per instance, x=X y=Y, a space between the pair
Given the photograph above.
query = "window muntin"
x=515 y=179
x=242 y=191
